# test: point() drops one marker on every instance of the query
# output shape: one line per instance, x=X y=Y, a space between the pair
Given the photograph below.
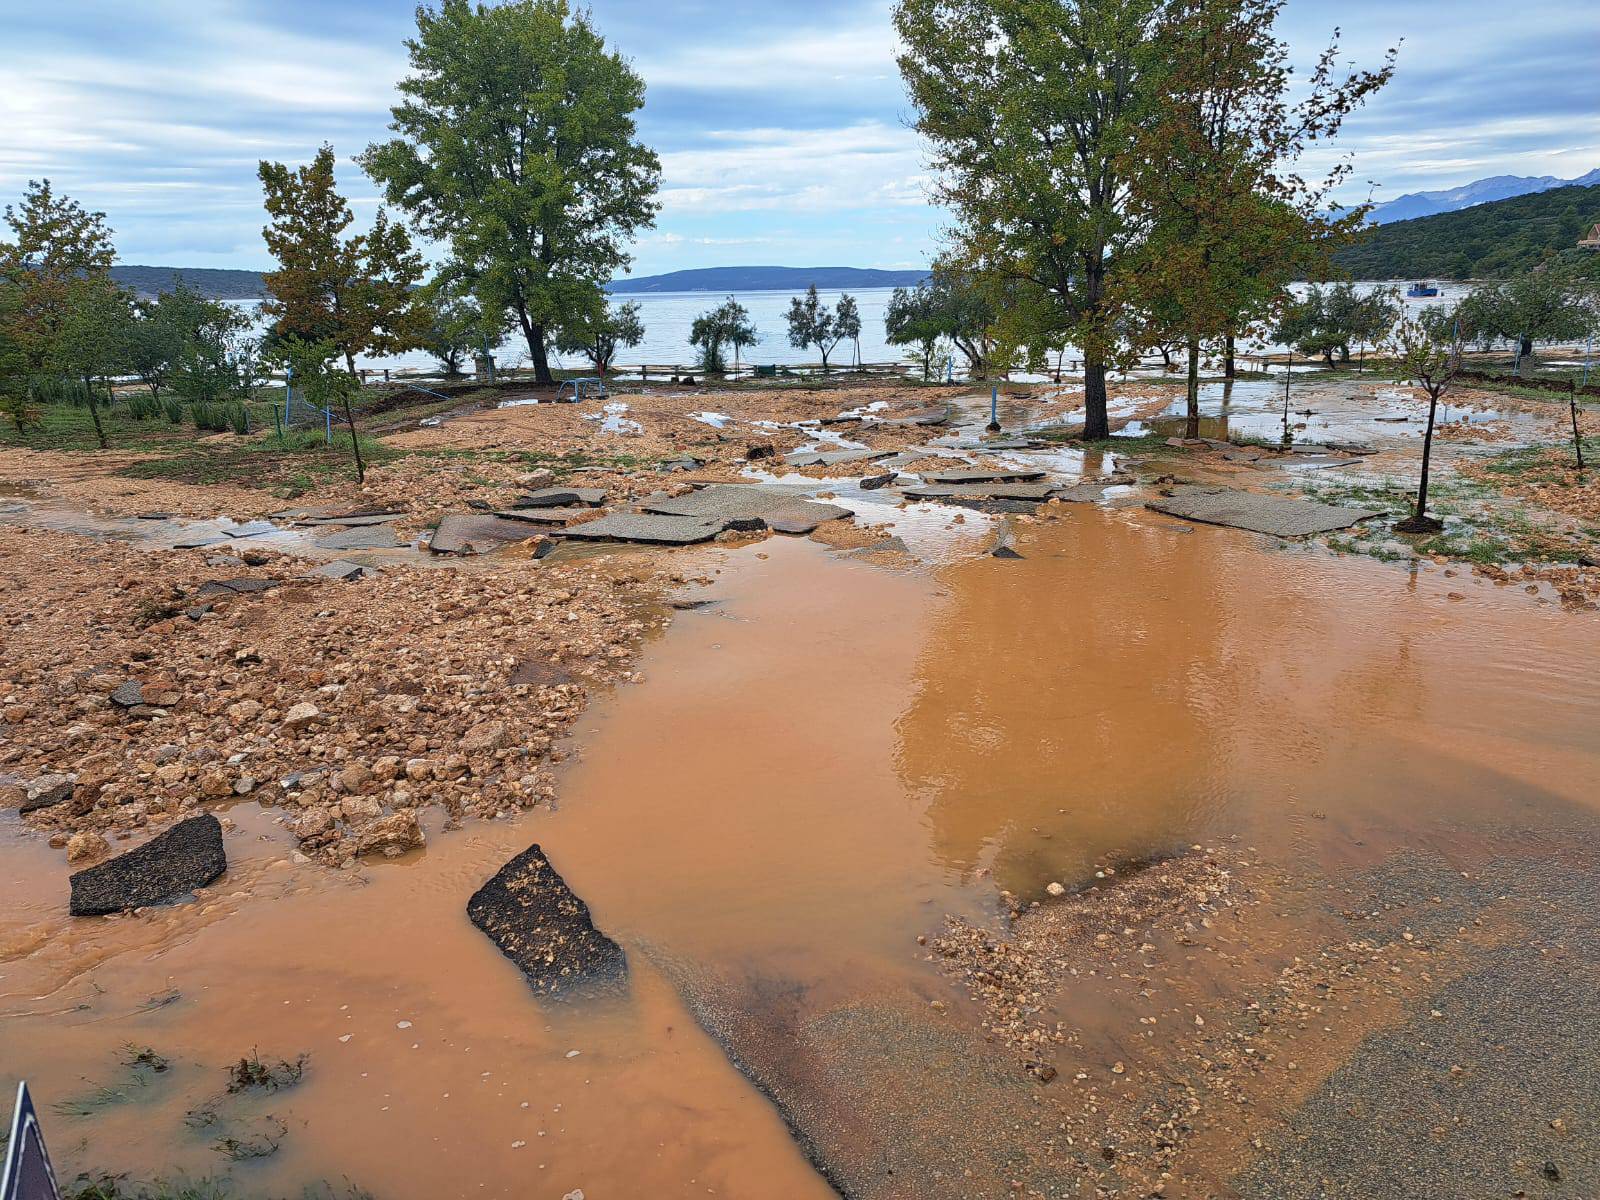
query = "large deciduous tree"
x=1543 y=305
x=354 y=291
x=1032 y=108
x=1225 y=219
x=518 y=151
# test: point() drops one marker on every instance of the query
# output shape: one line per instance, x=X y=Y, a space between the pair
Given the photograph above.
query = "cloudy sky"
x=783 y=128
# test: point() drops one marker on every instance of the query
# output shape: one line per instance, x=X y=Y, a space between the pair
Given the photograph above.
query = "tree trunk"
x=824 y=354
x=1420 y=521
x=1191 y=425
x=1525 y=347
x=1327 y=357
x=355 y=442
x=94 y=410
x=1229 y=371
x=541 y=358
x=1572 y=407
x=1096 y=424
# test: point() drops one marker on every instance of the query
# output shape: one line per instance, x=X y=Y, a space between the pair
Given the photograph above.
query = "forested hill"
x=767 y=279
x=1486 y=241
x=211 y=282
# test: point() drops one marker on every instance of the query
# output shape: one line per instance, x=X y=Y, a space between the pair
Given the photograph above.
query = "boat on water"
x=1421 y=290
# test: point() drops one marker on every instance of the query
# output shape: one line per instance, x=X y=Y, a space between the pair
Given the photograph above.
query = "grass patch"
x=118 y=1187
x=261 y=1142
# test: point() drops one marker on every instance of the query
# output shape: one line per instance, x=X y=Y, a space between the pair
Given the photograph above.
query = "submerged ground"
x=1164 y=859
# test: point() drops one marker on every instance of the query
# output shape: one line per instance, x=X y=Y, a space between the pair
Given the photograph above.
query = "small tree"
x=458 y=327
x=1428 y=350
x=163 y=331
x=966 y=316
x=325 y=384
x=913 y=319
x=727 y=325
x=91 y=342
x=847 y=324
x=598 y=338
x=15 y=403
x=357 y=291
x=1326 y=321
x=216 y=362
x=810 y=324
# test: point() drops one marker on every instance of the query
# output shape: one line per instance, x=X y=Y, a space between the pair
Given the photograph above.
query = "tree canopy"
x=54 y=243
x=727 y=325
x=354 y=291
x=517 y=150
x=598 y=336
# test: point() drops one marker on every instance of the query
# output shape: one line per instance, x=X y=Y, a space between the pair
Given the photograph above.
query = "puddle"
x=613 y=418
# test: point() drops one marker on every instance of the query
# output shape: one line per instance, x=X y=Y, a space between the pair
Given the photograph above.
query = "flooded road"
x=816 y=770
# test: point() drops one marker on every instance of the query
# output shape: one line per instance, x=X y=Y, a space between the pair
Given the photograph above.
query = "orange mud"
x=816 y=770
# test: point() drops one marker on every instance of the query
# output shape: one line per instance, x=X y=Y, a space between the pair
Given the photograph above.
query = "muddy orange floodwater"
x=815 y=770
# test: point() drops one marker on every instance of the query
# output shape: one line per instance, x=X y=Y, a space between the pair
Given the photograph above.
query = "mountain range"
x=1479 y=191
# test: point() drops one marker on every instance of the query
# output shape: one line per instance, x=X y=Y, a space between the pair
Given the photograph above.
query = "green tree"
x=458 y=327
x=1228 y=219
x=1032 y=108
x=91 y=342
x=16 y=405
x=1552 y=304
x=599 y=338
x=517 y=150
x=847 y=324
x=1427 y=349
x=967 y=314
x=164 y=328
x=54 y=244
x=812 y=324
x=217 y=361
x=356 y=291
x=1327 y=321
x=727 y=325
x=913 y=319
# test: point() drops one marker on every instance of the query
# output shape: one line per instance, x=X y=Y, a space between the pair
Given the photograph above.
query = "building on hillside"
x=1592 y=242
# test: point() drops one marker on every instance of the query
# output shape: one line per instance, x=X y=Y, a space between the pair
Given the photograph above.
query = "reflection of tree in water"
x=1065 y=704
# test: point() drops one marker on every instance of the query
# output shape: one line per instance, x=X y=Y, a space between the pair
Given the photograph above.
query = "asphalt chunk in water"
x=1279 y=516
x=375 y=537
x=185 y=857
x=1002 y=475
x=537 y=921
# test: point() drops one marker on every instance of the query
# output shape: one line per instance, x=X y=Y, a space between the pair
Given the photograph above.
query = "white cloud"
x=866 y=165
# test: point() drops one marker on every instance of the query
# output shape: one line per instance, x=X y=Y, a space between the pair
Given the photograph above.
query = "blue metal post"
x=1588 y=353
x=288 y=393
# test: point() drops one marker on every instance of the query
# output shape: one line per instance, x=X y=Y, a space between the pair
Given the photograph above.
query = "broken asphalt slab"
x=536 y=920
x=982 y=491
x=546 y=517
x=359 y=537
x=1279 y=516
x=652 y=528
x=461 y=533
x=559 y=497
x=185 y=857
x=829 y=458
x=777 y=509
x=244 y=586
x=976 y=475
